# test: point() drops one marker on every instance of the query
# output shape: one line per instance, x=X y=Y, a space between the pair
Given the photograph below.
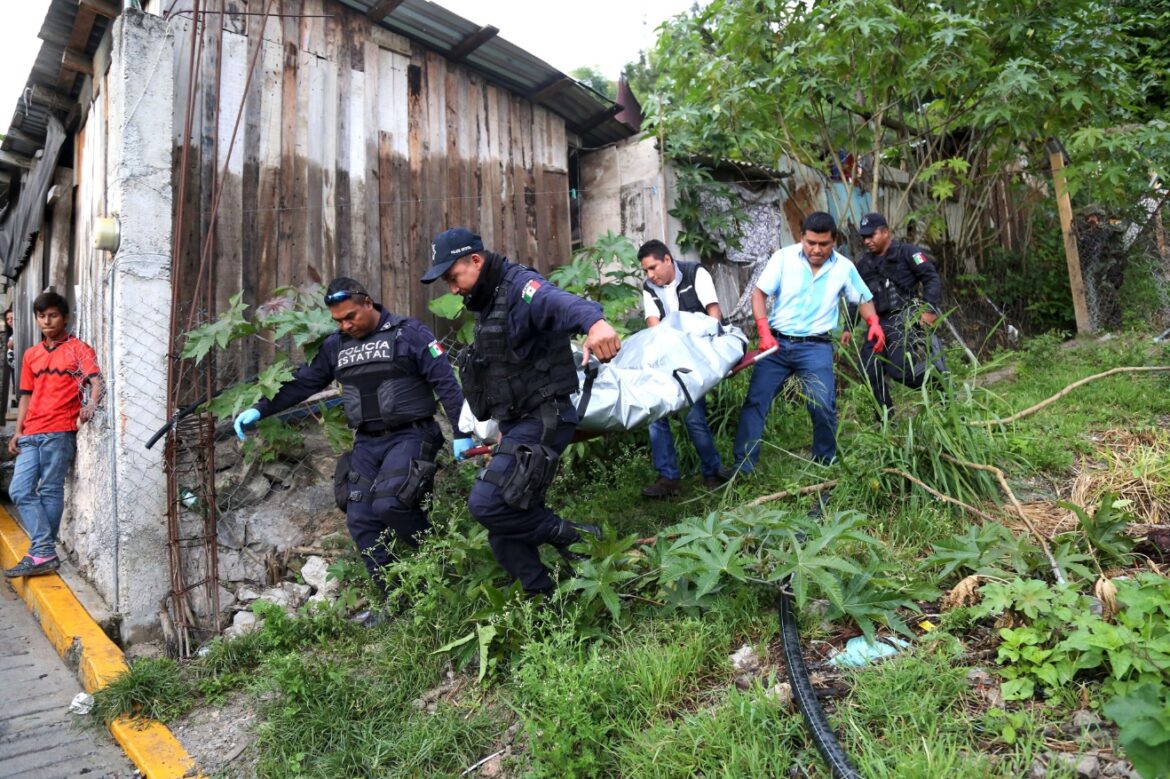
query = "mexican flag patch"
x=529 y=290
x=435 y=348
x=919 y=258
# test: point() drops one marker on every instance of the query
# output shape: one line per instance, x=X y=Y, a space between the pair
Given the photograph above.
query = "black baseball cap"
x=448 y=247
x=870 y=223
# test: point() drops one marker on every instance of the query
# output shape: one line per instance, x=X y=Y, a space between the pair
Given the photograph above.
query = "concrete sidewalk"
x=75 y=636
x=39 y=738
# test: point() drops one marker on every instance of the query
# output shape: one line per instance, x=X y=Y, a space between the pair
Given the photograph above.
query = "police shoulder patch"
x=529 y=290
x=435 y=349
x=919 y=258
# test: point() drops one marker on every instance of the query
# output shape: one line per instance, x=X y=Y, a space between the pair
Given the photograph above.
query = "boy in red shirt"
x=52 y=376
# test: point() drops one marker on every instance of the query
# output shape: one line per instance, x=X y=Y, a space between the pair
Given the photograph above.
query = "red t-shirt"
x=53 y=377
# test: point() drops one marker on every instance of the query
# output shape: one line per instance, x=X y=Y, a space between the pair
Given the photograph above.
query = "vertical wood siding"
x=354 y=147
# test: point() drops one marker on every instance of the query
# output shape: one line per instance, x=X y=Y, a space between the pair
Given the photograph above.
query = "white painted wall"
x=624 y=189
x=116 y=516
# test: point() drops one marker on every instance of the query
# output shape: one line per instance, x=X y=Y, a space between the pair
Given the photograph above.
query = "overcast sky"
x=602 y=33
x=20 y=44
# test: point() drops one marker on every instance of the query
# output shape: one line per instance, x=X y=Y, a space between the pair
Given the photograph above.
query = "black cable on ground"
x=804 y=695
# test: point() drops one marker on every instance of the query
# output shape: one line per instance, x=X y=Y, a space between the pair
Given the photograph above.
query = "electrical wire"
x=447 y=199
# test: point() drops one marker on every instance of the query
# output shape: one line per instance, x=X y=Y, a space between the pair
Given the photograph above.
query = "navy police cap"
x=448 y=247
x=870 y=223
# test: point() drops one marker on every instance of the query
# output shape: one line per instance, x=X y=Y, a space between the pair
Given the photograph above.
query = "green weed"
x=587 y=705
x=623 y=672
x=152 y=688
x=911 y=716
x=738 y=734
x=1064 y=633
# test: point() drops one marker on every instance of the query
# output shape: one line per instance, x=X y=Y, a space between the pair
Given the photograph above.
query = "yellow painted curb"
x=152 y=747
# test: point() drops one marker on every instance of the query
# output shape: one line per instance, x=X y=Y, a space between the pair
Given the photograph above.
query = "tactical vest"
x=888 y=297
x=688 y=299
x=500 y=384
x=381 y=387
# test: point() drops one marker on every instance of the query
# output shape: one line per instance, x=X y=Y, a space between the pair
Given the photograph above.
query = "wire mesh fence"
x=252 y=519
x=245 y=516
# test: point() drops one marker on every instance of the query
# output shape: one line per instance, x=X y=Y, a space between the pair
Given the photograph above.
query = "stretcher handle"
x=578 y=435
x=761 y=355
x=751 y=358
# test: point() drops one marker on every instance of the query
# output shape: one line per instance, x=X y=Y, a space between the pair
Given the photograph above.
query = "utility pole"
x=1071 y=255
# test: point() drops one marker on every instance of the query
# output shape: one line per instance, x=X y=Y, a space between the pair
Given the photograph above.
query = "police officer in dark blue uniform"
x=390 y=368
x=520 y=371
x=907 y=294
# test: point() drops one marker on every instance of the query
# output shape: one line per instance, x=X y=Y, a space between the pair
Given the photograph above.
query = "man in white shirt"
x=678 y=286
x=807 y=280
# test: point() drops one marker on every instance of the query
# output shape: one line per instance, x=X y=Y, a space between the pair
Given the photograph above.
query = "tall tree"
x=953 y=93
x=641 y=74
x=592 y=77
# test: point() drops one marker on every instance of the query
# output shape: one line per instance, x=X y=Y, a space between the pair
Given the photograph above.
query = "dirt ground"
x=219 y=738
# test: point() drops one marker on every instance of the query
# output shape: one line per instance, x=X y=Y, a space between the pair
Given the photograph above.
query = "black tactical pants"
x=909 y=351
x=515 y=536
x=383 y=463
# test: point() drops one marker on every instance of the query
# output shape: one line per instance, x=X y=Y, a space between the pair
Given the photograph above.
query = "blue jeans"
x=662 y=443
x=812 y=362
x=38 y=487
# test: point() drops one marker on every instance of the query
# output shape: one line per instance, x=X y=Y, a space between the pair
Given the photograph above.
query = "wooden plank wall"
x=354 y=147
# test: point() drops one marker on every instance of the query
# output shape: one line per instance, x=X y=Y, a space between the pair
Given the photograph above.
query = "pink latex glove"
x=767 y=341
x=875 y=333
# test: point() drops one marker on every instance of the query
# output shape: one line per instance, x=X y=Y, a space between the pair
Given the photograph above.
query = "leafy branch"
x=295 y=316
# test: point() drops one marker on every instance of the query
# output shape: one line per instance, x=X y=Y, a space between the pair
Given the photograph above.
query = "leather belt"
x=819 y=338
x=378 y=431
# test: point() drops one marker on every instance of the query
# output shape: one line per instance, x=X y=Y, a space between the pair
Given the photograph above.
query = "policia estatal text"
x=390 y=368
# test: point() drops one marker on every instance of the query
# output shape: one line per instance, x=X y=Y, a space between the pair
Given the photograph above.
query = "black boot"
x=663 y=488
x=568 y=533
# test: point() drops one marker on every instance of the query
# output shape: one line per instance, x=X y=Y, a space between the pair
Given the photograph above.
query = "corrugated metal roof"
x=584 y=110
x=586 y=113
x=30 y=118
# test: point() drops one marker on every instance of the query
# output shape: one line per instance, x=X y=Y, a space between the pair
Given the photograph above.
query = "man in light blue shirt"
x=807 y=280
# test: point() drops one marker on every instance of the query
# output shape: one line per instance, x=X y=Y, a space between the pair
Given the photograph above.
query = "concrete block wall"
x=116 y=517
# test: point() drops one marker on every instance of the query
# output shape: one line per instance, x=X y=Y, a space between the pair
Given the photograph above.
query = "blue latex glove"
x=461 y=445
x=246 y=418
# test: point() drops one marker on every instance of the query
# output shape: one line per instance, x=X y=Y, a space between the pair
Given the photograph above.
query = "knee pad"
x=348 y=484
x=483 y=502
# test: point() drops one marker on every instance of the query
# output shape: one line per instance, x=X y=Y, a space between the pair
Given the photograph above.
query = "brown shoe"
x=715 y=480
x=663 y=488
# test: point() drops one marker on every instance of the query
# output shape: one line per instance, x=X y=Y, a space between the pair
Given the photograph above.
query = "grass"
x=1054 y=437
x=743 y=734
x=915 y=716
x=569 y=691
x=153 y=688
x=350 y=714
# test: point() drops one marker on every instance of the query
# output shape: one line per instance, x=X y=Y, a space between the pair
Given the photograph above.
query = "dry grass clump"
x=1133 y=466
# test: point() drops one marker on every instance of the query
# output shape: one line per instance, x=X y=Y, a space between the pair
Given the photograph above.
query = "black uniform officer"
x=902 y=277
x=519 y=371
x=1100 y=244
x=390 y=368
